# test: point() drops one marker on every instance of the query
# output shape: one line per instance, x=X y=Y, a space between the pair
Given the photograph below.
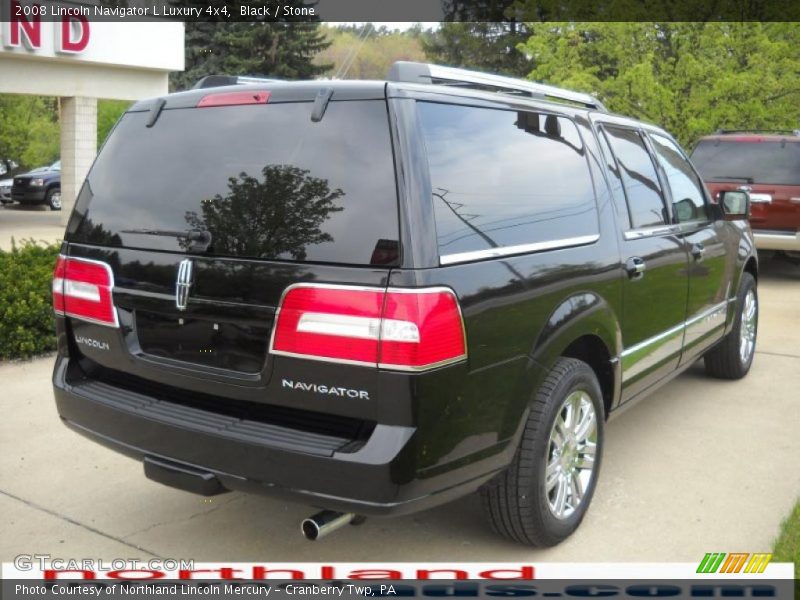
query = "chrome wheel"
x=55 y=200
x=747 y=328
x=571 y=454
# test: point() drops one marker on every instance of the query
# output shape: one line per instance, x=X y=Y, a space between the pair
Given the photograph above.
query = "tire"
x=517 y=501
x=728 y=359
x=53 y=198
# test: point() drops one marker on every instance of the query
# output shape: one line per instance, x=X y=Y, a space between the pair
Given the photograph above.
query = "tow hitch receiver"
x=182 y=477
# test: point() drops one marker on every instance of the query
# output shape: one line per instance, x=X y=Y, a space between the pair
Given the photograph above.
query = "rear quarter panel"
x=520 y=314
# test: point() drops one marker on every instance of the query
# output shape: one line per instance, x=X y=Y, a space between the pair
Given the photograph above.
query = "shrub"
x=27 y=325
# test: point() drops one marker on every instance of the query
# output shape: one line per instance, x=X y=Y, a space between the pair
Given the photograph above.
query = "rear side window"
x=645 y=203
x=777 y=163
x=688 y=200
x=262 y=181
x=504 y=178
x=615 y=178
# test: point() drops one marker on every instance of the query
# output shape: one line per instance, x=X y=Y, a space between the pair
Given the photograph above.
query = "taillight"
x=58 y=285
x=421 y=329
x=233 y=99
x=403 y=329
x=329 y=322
x=82 y=289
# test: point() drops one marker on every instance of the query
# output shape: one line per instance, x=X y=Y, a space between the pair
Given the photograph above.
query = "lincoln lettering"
x=92 y=343
x=324 y=389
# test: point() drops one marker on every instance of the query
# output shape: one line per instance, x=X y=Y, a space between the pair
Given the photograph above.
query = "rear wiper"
x=321 y=103
x=195 y=240
x=732 y=178
x=155 y=111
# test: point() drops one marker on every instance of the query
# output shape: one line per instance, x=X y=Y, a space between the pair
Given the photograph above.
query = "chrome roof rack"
x=220 y=80
x=414 y=72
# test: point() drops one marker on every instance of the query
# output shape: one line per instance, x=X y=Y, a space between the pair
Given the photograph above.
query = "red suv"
x=766 y=164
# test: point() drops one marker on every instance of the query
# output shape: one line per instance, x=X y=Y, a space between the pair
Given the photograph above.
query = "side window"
x=615 y=179
x=503 y=178
x=688 y=200
x=645 y=203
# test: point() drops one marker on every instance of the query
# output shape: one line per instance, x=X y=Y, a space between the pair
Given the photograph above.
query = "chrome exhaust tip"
x=324 y=523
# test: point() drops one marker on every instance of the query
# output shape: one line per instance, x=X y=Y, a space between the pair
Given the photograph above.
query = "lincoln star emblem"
x=183 y=284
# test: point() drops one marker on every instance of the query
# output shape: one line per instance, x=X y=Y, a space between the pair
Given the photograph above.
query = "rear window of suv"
x=775 y=162
x=264 y=181
x=504 y=178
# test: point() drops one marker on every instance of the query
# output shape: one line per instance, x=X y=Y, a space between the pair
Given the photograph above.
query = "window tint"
x=505 y=178
x=264 y=181
x=615 y=179
x=645 y=204
x=759 y=162
x=688 y=200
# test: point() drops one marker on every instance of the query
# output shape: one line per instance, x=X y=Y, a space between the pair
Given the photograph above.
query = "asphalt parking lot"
x=703 y=465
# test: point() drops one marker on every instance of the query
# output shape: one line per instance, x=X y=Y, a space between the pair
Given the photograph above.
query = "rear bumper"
x=29 y=195
x=377 y=479
x=777 y=240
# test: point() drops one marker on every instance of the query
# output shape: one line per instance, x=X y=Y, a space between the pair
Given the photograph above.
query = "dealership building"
x=80 y=61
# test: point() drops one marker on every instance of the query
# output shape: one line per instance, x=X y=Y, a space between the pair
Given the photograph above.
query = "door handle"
x=698 y=251
x=635 y=267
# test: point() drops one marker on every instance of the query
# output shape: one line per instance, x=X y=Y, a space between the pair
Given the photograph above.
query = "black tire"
x=53 y=198
x=516 y=501
x=725 y=360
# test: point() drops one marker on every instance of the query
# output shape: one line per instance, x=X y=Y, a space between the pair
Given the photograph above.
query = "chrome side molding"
x=463 y=257
x=645 y=232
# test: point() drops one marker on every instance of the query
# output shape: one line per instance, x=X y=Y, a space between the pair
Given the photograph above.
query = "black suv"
x=40 y=186
x=377 y=297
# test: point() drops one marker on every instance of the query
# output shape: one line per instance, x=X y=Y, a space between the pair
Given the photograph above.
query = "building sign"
x=63 y=32
x=73 y=36
x=22 y=28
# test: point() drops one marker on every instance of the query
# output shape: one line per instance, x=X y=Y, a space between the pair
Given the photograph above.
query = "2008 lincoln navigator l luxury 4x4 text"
x=376 y=297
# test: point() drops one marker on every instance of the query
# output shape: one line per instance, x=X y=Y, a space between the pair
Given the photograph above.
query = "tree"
x=483 y=35
x=280 y=215
x=359 y=53
x=29 y=132
x=278 y=49
x=691 y=78
x=485 y=46
x=108 y=113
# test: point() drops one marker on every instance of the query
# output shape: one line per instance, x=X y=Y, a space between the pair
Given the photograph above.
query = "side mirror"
x=735 y=205
x=685 y=210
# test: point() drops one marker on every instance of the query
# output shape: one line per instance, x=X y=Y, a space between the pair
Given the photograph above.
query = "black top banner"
x=406 y=10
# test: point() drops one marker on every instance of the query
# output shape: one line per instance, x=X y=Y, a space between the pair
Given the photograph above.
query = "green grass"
x=787 y=547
